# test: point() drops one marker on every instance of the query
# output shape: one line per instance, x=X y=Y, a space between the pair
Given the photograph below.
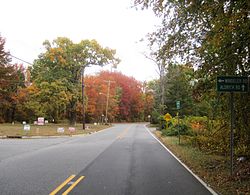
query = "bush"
x=197 y=119
x=162 y=122
x=173 y=130
x=155 y=117
x=197 y=123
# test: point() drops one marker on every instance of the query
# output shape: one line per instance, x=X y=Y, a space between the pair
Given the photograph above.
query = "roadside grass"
x=213 y=169
x=17 y=130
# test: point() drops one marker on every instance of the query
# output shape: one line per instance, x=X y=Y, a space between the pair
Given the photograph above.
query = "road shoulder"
x=151 y=132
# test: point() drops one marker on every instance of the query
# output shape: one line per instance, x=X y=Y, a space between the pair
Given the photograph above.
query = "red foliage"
x=126 y=102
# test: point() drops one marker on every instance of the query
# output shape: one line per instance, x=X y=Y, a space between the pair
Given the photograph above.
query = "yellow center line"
x=62 y=185
x=73 y=185
x=122 y=134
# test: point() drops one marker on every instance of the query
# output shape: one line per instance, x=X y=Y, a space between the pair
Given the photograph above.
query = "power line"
x=21 y=60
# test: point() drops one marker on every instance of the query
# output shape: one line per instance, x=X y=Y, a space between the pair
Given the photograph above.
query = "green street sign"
x=178 y=104
x=232 y=84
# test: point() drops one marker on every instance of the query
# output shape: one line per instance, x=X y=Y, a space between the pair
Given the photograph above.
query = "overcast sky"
x=113 y=23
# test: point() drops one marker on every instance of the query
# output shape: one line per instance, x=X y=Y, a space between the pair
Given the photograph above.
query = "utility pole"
x=107 y=102
x=83 y=107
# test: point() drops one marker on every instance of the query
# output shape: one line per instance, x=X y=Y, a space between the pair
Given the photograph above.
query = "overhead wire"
x=21 y=60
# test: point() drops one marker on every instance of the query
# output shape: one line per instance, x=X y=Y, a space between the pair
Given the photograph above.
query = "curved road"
x=122 y=160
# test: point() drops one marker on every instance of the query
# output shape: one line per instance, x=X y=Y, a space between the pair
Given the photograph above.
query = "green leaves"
x=214 y=37
x=4 y=56
x=178 y=87
x=57 y=72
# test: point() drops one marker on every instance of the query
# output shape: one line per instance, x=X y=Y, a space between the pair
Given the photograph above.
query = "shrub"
x=173 y=130
x=197 y=123
x=162 y=122
x=155 y=117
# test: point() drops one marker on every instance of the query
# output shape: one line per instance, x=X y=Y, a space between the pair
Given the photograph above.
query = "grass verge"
x=213 y=169
x=17 y=130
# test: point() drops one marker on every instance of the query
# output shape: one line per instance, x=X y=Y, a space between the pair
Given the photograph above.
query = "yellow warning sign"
x=168 y=117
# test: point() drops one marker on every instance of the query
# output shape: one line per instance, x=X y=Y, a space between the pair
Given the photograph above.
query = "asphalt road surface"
x=122 y=160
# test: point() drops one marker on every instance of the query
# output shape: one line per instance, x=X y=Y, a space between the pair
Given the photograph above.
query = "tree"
x=11 y=80
x=148 y=101
x=215 y=37
x=48 y=100
x=213 y=34
x=129 y=95
x=158 y=55
x=179 y=88
x=18 y=80
x=4 y=56
x=65 y=62
x=126 y=100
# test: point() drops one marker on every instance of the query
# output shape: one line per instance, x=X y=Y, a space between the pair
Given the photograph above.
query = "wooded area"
x=52 y=87
x=196 y=42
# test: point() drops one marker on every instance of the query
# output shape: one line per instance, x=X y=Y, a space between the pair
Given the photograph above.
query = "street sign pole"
x=232 y=132
x=238 y=84
x=179 y=136
x=233 y=84
x=178 y=106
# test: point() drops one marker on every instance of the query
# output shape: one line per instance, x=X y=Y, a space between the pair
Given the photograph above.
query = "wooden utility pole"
x=107 y=102
x=83 y=107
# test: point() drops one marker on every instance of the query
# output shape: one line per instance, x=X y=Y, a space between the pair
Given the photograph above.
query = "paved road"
x=124 y=159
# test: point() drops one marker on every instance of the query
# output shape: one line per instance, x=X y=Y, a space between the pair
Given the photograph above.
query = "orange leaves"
x=55 y=55
x=125 y=102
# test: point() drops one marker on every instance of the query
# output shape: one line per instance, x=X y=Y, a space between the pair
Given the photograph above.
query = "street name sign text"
x=232 y=84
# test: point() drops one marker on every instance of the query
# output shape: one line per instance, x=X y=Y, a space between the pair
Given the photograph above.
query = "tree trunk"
x=13 y=113
x=72 y=112
x=162 y=88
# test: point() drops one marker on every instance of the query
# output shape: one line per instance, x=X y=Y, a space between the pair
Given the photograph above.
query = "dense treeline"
x=128 y=99
x=52 y=87
x=11 y=80
x=213 y=37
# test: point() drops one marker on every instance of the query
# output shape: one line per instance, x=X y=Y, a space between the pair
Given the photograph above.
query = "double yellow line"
x=65 y=183
x=122 y=134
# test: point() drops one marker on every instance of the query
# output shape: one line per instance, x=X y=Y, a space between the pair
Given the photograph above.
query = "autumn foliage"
x=126 y=100
x=52 y=87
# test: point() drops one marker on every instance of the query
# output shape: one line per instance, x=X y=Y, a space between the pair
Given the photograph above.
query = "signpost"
x=149 y=118
x=178 y=106
x=26 y=127
x=60 y=130
x=168 y=117
x=72 y=130
x=232 y=84
x=40 y=121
